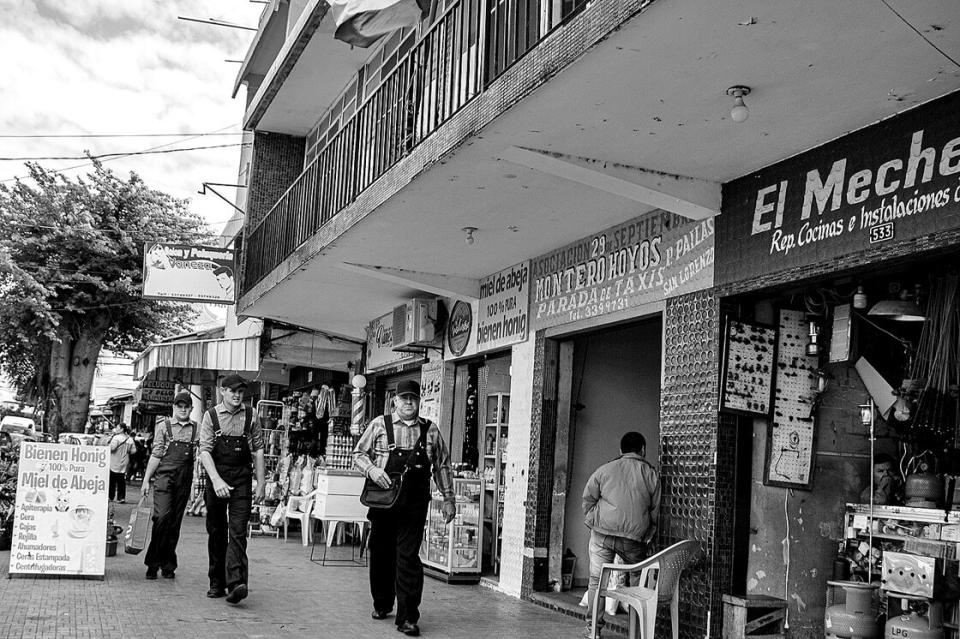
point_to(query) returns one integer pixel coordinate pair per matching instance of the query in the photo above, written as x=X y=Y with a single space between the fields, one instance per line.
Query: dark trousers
x=227 y=534
x=170 y=496
x=118 y=486
x=395 y=568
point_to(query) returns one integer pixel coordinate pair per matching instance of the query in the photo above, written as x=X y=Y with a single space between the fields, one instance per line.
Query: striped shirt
x=231 y=424
x=181 y=433
x=373 y=450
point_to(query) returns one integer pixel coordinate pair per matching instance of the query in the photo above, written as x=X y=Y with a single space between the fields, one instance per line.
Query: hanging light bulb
x=860 y=299
x=739 y=112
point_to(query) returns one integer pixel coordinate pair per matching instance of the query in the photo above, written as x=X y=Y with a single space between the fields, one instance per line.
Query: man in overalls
x=230 y=440
x=389 y=444
x=171 y=466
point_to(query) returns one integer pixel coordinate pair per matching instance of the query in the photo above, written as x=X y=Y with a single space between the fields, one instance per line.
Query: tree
x=71 y=259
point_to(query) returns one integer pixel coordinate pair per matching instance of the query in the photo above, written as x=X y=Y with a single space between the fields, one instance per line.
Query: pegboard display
x=790 y=440
x=748 y=368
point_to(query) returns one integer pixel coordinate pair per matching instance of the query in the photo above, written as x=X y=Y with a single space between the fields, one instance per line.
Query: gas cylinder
x=855 y=618
x=912 y=626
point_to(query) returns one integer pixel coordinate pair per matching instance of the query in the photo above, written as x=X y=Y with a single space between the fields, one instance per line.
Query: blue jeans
x=602 y=550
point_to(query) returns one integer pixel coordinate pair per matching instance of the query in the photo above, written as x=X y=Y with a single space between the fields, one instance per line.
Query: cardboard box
x=950 y=532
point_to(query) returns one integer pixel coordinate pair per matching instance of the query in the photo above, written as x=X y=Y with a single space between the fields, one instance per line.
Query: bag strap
x=388 y=427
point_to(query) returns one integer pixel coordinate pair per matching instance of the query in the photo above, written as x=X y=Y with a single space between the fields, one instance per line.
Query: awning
x=234 y=355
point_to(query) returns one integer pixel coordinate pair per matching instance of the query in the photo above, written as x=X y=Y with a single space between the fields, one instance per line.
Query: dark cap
x=233 y=381
x=183 y=397
x=408 y=387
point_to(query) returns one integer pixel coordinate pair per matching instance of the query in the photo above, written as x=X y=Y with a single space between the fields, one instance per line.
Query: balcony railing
x=465 y=49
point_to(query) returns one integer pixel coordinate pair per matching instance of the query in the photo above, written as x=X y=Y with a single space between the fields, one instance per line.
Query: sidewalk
x=289 y=597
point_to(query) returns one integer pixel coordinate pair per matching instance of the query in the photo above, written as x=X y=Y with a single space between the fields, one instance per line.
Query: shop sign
x=504 y=308
x=648 y=259
x=60 y=520
x=459 y=327
x=380 y=353
x=431 y=390
x=157 y=392
x=185 y=273
x=896 y=180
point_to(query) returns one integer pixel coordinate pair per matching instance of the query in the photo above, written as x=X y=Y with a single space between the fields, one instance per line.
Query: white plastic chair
x=293 y=511
x=659 y=580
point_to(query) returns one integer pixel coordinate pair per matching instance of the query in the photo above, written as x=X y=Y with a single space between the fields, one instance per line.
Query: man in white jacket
x=621 y=507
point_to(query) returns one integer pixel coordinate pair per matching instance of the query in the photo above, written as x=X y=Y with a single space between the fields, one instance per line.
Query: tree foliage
x=71 y=256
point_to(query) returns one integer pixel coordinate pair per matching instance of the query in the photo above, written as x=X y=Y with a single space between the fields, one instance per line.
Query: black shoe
x=151 y=573
x=238 y=594
x=379 y=614
x=167 y=574
x=215 y=593
x=409 y=629
x=121 y=501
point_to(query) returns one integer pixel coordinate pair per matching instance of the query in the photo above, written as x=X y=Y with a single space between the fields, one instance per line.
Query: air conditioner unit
x=415 y=325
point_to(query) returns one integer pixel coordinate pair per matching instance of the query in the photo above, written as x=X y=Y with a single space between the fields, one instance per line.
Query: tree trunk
x=73 y=363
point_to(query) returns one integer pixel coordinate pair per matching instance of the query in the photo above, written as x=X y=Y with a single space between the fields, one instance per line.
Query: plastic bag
x=616 y=579
x=138 y=529
x=277 y=517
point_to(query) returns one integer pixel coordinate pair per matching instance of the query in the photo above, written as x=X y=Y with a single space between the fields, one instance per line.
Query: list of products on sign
x=649 y=258
x=60 y=521
x=504 y=307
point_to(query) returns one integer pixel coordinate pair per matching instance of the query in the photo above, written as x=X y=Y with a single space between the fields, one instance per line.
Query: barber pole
x=357 y=412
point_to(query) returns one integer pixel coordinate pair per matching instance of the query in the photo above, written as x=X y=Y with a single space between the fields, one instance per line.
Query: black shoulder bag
x=375 y=496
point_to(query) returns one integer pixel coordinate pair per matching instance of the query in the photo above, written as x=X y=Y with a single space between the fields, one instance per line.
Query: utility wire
x=119 y=155
x=917 y=31
x=36 y=136
x=79 y=166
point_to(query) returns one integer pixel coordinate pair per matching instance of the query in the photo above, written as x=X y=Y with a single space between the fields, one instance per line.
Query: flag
x=363 y=22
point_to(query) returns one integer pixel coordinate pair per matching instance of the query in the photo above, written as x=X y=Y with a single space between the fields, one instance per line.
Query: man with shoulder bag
x=401 y=448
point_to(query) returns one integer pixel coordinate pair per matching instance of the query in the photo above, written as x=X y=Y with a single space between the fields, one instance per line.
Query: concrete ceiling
x=324 y=69
x=651 y=96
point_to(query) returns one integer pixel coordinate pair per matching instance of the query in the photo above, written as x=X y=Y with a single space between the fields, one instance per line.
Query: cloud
x=126 y=68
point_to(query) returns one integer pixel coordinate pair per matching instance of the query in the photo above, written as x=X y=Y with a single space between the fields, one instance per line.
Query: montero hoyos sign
x=898 y=179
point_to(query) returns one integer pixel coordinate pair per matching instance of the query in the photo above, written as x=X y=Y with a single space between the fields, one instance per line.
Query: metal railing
x=471 y=44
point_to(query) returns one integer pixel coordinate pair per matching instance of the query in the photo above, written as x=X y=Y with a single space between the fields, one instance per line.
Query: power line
x=83 y=164
x=112 y=230
x=35 y=136
x=119 y=155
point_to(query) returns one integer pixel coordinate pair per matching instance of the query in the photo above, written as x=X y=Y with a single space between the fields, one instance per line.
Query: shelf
x=866 y=535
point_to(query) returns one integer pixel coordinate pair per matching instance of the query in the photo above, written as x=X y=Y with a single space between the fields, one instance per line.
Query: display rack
x=494 y=442
x=451 y=552
x=930 y=532
x=273 y=426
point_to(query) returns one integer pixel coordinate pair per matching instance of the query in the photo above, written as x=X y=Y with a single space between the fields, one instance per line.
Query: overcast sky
x=128 y=67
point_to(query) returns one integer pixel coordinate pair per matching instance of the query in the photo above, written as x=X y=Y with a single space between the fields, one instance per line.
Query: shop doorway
x=608 y=383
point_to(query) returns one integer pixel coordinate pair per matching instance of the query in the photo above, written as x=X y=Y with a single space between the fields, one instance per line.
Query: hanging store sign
x=380 y=353
x=60 y=519
x=504 y=308
x=184 y=273
x=459 y=327
x=154 y=391
x=649 y=258
x=431 y=390
x=896 y=180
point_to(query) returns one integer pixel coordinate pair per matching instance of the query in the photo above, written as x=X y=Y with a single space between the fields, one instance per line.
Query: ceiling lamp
x=739 y=112
x=469 y=230
x=901 y=310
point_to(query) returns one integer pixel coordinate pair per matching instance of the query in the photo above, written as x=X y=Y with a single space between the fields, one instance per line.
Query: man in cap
x=170 y=468
x=391 y=442
x=230 y=443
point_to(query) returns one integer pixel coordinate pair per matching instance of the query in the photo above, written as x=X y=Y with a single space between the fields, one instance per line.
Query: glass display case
x=451 y=552
x=494 y=465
